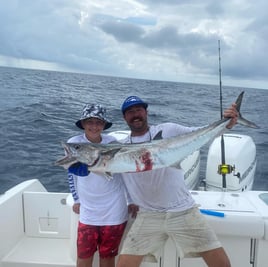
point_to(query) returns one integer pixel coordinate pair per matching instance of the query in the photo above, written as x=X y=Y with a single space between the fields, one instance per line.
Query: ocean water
x=38 y=110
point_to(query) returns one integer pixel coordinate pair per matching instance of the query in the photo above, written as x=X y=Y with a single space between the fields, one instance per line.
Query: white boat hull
x=38 y=228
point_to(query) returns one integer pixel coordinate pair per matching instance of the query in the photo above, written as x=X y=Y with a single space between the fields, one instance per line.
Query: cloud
x=151 y=39
x=123 y=31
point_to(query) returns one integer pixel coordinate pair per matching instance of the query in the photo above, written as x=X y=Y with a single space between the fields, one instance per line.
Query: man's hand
x=76 y=208
x=232 y=113
x=133 y=210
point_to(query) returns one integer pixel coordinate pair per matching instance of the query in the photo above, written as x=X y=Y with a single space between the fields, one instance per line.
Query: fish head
x=83 y=152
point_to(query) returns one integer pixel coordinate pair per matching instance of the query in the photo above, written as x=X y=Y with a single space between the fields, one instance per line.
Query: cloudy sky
x=174 y=40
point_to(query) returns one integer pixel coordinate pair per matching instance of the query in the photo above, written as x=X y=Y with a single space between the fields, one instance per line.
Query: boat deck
x=41 y=252
x=38 y=228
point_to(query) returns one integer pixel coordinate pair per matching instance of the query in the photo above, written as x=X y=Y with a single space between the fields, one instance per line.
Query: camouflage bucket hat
x=94 y=111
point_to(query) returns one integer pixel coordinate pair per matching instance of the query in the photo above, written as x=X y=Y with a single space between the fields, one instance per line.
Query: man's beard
x=142 y=124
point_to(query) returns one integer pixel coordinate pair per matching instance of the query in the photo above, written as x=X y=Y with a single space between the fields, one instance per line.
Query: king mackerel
x=158 y=153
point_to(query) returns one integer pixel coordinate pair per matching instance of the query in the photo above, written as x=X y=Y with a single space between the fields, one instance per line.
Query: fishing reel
x=227 y=169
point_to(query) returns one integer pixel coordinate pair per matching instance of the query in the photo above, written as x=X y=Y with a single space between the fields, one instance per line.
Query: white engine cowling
x=240 y=153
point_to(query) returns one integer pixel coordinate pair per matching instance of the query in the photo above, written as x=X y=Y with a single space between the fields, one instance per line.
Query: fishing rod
x=222 y=168
x=220 y=83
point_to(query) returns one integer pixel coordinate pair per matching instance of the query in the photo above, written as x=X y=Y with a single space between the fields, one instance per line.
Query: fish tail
x=247 y=123
x=242 y=120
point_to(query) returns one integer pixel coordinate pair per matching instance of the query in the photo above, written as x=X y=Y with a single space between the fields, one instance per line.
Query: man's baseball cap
x=132 y=101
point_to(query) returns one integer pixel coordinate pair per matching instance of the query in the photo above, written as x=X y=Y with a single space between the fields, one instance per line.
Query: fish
x=159 y=153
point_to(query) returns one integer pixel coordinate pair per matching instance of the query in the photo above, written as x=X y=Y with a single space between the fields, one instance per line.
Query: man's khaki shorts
x=188 y=229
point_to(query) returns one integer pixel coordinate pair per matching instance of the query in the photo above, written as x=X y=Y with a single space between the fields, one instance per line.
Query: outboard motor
x=240 y=158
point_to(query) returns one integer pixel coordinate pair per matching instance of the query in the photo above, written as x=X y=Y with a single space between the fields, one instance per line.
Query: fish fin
x=158 y=136
x=242 y=120
x=108 y=176
x=110 y=152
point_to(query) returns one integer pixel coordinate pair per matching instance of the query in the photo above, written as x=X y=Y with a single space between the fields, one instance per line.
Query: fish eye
x=77 y=146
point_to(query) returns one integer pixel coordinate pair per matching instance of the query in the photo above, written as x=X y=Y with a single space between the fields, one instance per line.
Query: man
x=166 y=207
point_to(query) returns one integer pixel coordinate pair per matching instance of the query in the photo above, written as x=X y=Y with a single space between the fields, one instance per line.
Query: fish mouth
x=94 y=162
